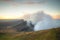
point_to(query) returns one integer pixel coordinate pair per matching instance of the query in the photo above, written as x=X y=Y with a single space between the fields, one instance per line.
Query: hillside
x=15 y=26
x=51 y=34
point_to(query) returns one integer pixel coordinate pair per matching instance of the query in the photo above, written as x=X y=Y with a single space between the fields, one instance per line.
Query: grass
x=51 y=34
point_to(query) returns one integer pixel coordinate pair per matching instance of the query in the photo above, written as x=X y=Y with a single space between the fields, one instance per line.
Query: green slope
x=51 y=34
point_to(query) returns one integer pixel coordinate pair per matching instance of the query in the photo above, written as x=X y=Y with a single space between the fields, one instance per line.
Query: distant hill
x=50 y=34
x=4 y=23
x=15 y=26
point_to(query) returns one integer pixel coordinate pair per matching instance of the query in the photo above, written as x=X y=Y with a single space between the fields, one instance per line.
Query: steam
x=46 y=23
x=42 y=21
x=36 y=17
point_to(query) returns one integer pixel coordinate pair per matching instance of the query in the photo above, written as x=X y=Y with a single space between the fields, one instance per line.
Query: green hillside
x=51 y=34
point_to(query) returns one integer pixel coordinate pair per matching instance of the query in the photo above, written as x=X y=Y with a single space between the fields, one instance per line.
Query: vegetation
x=51 y=34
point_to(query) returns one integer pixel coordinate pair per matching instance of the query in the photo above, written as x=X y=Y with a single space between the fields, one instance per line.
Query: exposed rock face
x=23 y=27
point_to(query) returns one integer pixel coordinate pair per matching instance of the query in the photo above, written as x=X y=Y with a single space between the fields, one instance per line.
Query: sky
x=15 y=9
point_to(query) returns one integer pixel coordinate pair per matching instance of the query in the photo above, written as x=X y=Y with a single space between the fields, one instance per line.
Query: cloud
x=43 y=21
x=25 y=1
x=46 y=23
x=43 y=25
x=37 y=17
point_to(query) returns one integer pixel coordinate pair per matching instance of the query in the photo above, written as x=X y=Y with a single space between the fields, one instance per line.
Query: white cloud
x=42 y=21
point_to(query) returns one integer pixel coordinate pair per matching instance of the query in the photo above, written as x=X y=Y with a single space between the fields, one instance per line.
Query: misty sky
x=10 y=9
